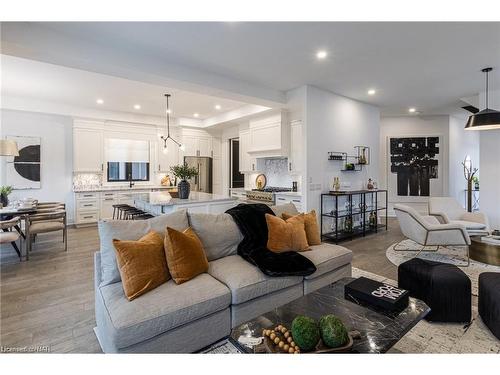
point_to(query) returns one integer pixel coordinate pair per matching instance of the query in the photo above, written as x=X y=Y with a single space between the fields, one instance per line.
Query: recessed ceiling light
x=217 y=107
x=99 y=101
x=372 y=92
x=412 y=110
x=137 y=106
x=321 y=54
x=196 y=115
x=169 y=111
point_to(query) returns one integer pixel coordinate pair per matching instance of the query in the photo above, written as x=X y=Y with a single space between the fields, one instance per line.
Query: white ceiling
x=33 y=79
x=429 y=66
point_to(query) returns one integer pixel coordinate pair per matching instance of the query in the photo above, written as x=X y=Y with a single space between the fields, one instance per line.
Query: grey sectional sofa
x=187 y=317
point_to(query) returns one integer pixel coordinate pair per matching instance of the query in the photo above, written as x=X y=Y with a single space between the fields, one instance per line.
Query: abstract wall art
x=23 y=172
x=414 y=166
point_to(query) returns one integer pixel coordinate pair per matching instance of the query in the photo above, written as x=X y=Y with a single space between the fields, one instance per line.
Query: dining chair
x=46 y=222
x=10 y=234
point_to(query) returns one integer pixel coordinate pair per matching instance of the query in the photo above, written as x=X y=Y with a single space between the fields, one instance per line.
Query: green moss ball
x=333 y=331
x=305 y=332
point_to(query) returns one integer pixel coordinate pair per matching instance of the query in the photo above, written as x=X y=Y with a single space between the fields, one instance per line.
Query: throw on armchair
x=449 y=211
x=428 y=231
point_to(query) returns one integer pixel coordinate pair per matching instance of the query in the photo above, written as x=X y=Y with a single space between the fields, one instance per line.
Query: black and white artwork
x=24 y=171
x=414 y=166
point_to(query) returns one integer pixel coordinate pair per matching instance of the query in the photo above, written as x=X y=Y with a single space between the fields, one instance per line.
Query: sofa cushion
x=131 y=230
x=185 y=256
x=219 y=234
x=327 y=257
x=162 y=309
x=288 y=208
x=286 y=235
x=469 y=224
x=245 y=281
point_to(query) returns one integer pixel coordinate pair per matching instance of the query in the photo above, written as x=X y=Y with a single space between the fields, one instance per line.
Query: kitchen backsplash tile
x=276 y=171
x=83 y=181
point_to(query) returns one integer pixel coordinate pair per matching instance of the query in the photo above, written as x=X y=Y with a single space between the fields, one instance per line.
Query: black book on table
x=374 y=293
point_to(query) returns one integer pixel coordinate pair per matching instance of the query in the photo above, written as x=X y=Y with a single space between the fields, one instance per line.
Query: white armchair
x=449 y=211
x=427 y=231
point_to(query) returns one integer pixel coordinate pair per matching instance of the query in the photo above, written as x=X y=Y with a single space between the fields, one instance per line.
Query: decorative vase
x=369 y=185
x=4 y=200
x=476 y=185
x=372 y=220
x=348 y=225
x=183 y=187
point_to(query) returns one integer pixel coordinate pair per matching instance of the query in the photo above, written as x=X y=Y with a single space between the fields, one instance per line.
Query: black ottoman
x=445 y=288
x=489 y=301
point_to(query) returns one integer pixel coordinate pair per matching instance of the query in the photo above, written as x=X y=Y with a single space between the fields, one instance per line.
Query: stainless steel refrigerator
x=202 y=182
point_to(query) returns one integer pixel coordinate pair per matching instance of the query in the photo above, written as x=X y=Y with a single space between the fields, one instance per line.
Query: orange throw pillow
x=142 y=264
x=288 y=235
x=186 y=258
x=311 y=226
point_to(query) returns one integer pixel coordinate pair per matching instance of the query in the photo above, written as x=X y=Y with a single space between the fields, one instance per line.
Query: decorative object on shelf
x=8 y=147
x=184 y=173
x=362 y=206
x=4 y=195
x=261 y=181
x=166 y=137
x=372 y=220
x=339 y=156
x=24 y=171
x=469 y=172
x=370 y=185
x=475 y=179
x=294 y=186
x=336 y=184
x=486 y=119
x=350 y=167
x=363 y=154
x=348 y=226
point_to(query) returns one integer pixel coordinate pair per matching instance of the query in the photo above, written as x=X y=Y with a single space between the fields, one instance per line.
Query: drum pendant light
x=486 y=119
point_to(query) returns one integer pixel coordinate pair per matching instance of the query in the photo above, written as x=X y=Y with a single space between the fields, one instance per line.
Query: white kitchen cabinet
x=197 y=145
x=269 y=137
x=296 y=153
x=87 y=150
x=168 y=159
x=216 y=147
x=248 y=163
x=106 y=211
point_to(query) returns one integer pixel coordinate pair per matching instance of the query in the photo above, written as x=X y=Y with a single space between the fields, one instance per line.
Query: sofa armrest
x=476 y=217
x=441 y=216
x=97 y=270
x=448 y=234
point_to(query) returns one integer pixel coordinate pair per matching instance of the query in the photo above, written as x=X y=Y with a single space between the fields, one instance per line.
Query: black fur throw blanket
x=251 y=220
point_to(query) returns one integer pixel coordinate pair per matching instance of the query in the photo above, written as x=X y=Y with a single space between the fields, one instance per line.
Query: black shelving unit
x=338 y=208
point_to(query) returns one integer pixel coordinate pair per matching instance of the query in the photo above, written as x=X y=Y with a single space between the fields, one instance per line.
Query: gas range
x=265 y=195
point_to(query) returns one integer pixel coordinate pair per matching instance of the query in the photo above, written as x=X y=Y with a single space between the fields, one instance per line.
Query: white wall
x=414 y=126
x=489 y=167
x=462 y=143
x=336 y=123
x=56 y=172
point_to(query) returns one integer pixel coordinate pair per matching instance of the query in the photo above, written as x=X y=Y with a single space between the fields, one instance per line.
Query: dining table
x=8 y=212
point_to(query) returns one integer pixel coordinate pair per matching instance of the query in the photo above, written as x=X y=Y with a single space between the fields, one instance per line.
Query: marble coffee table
x=379 y=330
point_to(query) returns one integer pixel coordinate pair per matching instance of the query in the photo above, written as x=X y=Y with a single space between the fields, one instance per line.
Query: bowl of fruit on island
x=329 y=335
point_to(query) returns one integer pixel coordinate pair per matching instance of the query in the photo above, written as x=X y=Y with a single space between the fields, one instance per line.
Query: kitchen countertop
x=123 y=188
x=165 y=199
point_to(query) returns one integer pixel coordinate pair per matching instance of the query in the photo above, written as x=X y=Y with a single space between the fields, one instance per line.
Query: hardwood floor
x=49 y=300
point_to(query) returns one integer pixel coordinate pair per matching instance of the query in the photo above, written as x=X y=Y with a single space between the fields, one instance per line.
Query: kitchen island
x=159 y=203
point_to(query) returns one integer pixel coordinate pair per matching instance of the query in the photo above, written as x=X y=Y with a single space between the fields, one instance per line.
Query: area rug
x=453 y=254
x=428 y=337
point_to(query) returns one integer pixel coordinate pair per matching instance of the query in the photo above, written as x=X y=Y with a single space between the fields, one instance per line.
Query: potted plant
x=183 y=172
x=4 y=195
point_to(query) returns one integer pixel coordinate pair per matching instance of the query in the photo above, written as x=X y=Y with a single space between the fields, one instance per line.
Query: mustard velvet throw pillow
x=186 y=258
x=288 y=235
x=142 y=264
x=311 y=226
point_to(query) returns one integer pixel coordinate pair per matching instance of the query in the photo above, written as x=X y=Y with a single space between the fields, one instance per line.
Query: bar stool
x=117 y=210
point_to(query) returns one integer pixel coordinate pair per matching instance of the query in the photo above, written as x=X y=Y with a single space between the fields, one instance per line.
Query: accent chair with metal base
x=427 y=231
x=449 y=211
